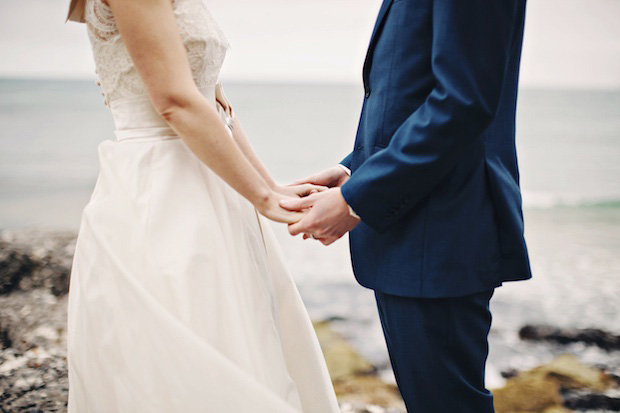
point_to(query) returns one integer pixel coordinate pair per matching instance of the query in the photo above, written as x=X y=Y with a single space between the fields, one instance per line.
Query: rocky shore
x=34 y=277
x=34 y=274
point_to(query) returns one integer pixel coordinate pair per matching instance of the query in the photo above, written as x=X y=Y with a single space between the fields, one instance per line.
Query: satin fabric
x=179 y=298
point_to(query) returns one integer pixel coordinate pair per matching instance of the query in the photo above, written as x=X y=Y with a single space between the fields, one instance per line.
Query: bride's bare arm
x=295 y=190
x=242 y=140
x=150 y=33
x=300 y=189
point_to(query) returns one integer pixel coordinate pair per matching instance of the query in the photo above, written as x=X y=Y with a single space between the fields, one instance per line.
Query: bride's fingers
x=290 y=217
x=309 y=189
x=282 y=215
x=299 y=203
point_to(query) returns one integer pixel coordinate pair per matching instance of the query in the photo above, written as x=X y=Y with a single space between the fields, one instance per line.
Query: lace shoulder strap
x=100 y=20
x=204 y=42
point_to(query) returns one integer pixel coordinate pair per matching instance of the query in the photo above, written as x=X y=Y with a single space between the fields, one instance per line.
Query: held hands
x=270 y=205
x=328 y=218
x=309 y=207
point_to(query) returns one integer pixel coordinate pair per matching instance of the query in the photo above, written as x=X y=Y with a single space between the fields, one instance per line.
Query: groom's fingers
x=298 y=204
x=296 y=229
x=317 y=188
x=305 y=226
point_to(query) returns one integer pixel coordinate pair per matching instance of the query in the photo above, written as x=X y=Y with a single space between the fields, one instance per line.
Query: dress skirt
x=179 y=299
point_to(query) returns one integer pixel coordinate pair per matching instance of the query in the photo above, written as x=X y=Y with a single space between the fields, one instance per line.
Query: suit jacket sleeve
x=470 y=50
x=347 y=160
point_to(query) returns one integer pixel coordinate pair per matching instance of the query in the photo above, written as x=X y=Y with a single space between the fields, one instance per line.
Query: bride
x=179 y=299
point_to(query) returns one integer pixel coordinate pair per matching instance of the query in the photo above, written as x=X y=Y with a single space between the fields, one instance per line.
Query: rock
x=570 y=373
x=540 y=389
x=368 y=390
x=33 y=259
x=33 y=365
x=527 y=394
x=14 y=265
x=590 y=336
x=341 y=357
x=364 y=408
x=507 y=374
x=33 y=381
x=355 y=379
x=584 y=400
x=34 y=318
x=556 y=409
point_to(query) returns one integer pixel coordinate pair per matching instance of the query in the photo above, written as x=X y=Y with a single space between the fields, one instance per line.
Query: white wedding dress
x=179 y=299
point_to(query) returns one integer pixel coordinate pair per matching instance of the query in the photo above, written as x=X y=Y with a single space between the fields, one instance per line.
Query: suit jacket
x=434 y=167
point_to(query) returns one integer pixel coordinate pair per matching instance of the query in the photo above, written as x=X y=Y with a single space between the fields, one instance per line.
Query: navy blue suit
x=434 y=167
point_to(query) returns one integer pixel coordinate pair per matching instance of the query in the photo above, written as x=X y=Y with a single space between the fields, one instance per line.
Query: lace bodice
x=204 y=42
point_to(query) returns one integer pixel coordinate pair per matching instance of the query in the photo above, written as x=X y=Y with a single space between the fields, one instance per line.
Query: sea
x=568 y=144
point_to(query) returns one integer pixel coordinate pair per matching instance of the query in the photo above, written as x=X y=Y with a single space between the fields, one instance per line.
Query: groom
x=433 y=201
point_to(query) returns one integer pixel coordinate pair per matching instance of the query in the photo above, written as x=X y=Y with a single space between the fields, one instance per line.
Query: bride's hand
x=300 y=190
x=270 y=208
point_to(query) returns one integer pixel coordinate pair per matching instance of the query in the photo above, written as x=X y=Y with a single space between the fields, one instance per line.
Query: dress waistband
x=144 y=134
x=136 y=119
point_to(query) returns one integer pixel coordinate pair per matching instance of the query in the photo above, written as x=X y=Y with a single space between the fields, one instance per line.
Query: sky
x=568 y=43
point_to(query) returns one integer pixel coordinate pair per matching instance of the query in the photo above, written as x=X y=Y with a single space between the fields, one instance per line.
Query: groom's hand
x=299 y=191
x=331 y=177
x=328 y=219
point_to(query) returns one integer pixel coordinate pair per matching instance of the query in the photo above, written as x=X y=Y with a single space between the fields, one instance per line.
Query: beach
x=34 y=281
x=568 y=151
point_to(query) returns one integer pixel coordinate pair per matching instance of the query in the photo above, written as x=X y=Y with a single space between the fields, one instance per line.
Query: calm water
x=569 y=155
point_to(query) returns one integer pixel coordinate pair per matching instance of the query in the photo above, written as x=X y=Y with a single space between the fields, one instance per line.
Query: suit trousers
x=438 y=348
